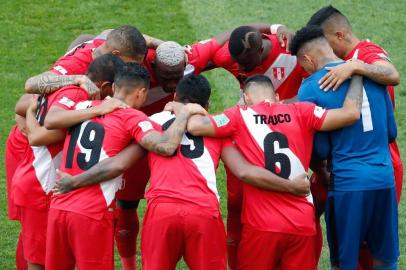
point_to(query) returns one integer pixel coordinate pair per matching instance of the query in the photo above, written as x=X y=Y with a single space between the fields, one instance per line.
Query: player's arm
x=260 y=177
x=58 y=118
x=199 y=125
x=38 y=135
x=23 y=104
x=166 y=143
x=152 y=42
x=49 y=82
x=382 y=72
x=107 y=169
x=349 y=113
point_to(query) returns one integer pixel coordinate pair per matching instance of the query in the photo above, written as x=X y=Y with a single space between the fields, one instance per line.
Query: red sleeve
x=312 y=115
x=138 y=124
x=373 y=53
x=225 y=124
x=222 y=58
x=68 y=96
x=227 y=142
x=201 y=53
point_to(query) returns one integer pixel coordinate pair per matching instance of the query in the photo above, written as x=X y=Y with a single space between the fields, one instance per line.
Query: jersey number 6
x=275 y=161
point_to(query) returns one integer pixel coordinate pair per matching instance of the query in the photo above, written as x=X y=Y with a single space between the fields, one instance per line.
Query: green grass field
x=35 y=33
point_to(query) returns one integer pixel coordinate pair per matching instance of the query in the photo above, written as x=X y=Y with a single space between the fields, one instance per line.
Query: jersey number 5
x=91 y=140
x=276 y=161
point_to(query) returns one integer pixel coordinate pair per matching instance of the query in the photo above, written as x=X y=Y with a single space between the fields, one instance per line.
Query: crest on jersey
x=278 y=73
x=145 y=126
x=221 y=120
x=67 y=102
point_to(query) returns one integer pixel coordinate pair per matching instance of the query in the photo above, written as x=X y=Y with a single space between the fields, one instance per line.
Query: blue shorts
x=353 y=217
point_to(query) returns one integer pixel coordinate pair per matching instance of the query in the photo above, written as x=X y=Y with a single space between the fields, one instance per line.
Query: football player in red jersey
x=34 y=177
x=278 y=228
x=375 y=64
x=85 y=145
x=183 y=217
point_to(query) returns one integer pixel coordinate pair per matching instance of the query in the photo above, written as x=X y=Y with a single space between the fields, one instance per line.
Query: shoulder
x=222 y=57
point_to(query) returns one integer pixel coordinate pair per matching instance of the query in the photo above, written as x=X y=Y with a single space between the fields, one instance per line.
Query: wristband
x=274 y=28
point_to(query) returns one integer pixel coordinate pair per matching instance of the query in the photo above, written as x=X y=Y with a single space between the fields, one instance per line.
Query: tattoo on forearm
x=168 y=142
x=45 y=84
x=378 y=73
x=355 y=90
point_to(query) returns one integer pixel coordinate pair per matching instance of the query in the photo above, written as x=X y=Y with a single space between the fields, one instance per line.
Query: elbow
x=396 y=79
x=243 y=174
x=353 y=116
x=33 y=140
x=28 y=86
x=49 y=123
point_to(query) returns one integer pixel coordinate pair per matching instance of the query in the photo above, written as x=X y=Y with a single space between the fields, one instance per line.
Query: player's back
x=278 y=137
x=87 y=144
x=360 y=152
x=281 y=67
x=190 y=174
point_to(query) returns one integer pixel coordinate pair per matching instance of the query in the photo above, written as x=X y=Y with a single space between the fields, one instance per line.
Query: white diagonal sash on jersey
x=110 y=187
x=45 y=167
x=259 y=132
x=280 y=69
x=204 y=163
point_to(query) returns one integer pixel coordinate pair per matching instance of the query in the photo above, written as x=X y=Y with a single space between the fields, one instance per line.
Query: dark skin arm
x=23 y=104
x=262 y=178
x=107 y=169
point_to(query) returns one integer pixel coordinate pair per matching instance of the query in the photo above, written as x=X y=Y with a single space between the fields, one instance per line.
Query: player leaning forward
x=278 y=228
x=362 y=198
x=91 y=208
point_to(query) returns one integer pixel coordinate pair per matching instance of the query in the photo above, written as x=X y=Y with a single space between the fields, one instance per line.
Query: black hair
x=193 y=89
x=104 y=68
x=323 y=15
x=258 y=79
x=239 y=42
x=132 y=75
x=304 y=35
x=129 y=40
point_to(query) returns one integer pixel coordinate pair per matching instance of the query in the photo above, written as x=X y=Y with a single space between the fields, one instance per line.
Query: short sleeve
x=227 y=142
x=138 y=124
x=222 y=57
x=201 y=53
x=68 y=96
x=312 y=116
x=226 y=122
x=373 y=53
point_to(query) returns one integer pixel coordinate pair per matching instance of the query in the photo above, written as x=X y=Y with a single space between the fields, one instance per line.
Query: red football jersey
x=370 y=53
x=77 y=60
x=90 y=142
x=35 y=177
x=280 y=138
x=189 y=175
x=198 y=57
x=281 y=67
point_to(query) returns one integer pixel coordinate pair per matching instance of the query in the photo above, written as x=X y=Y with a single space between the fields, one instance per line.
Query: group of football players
x=123 y=109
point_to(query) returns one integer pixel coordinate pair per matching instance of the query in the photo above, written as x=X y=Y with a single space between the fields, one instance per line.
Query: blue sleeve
x=321 y=146
x=392 y=129
x=306 y=93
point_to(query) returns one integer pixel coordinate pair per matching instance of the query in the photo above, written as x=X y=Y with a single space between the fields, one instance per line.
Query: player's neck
x=351 y=43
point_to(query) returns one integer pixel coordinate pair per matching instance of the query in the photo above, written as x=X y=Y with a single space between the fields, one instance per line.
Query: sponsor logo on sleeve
x=221 y=120
x=61 y=70
x=67 y=102
x=318 y=111
x=145 y=125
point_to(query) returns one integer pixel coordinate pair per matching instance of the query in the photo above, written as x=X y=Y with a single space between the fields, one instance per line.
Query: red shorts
x=33 y=234
x=16 y=146
x=135 y=181
x=271 y=250
x=172 y=229
x=75 y=239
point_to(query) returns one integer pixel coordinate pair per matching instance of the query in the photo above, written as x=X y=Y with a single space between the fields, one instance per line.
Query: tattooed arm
x=350 y=112
x=382 y=72
x=48 y=82
x=165 y=144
